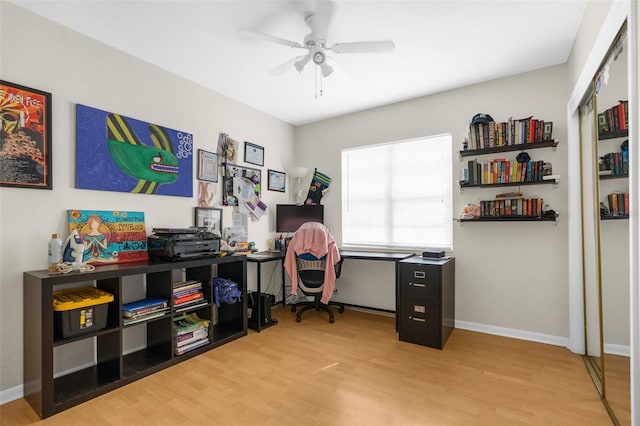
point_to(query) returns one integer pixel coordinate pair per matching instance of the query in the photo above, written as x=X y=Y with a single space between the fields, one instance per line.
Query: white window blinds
x=398 y=195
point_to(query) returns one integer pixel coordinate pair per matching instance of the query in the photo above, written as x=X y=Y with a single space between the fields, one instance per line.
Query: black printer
x=182 y=243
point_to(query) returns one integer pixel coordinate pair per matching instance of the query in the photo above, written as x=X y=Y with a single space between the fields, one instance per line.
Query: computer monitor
x=289 y=217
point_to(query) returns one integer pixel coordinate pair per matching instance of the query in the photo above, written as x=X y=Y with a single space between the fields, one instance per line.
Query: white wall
x=76 y=69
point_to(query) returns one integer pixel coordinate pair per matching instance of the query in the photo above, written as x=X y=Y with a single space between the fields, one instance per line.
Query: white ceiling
x=440 y=45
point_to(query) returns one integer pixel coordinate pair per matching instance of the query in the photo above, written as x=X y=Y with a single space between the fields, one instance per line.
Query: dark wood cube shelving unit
x=113 y=369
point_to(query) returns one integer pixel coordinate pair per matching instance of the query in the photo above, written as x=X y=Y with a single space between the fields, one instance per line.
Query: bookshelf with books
x=511 y=207
x=489 y=137
x=169 y=328
x=514 y=168
x=613 y=161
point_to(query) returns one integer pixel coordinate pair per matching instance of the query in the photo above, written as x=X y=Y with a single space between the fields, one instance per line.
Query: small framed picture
x=253 y=154
x=207 y=166
x=277 y=181
x=209 y=218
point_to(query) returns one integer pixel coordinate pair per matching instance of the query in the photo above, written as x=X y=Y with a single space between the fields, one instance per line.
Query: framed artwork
x=206 y=191
x=276 y=181
x=240 y=183
x=25 y=137
x=209 y=218
x=110 y=236
x=227 y=148
x=118 y=153
x=207 y=166
x=253 y=154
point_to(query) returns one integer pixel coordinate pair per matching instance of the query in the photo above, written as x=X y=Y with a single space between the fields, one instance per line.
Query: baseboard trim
x=513 y=333
x=11 y=394
x=611 y=349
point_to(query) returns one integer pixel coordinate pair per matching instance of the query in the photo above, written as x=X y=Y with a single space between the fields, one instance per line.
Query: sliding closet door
x=612 y=151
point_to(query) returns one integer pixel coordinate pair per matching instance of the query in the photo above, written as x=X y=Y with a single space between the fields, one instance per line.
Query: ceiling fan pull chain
x=315 y=87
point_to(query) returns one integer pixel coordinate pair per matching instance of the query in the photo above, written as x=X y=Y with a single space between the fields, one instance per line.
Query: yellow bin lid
x=81 y=297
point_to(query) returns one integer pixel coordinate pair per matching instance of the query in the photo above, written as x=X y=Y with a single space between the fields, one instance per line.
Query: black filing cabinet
x=426 y=300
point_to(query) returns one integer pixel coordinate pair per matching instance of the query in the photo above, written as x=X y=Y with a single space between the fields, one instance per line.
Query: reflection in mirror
x=611 y=97
x=590 y=253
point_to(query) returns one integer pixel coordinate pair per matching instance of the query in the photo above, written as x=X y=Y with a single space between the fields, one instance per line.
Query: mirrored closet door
x=604 y=155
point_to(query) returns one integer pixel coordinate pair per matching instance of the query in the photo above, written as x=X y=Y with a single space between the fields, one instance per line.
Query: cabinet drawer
x=420 y=282
x=420 y=317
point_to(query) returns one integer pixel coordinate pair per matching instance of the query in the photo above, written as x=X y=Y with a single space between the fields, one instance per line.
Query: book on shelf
x=615 y=118
x=182 y=293
x=618 y=203
x=186 y=285
x=502 y=170
x=188 y=298
x=144 y=306
x=189 y=322
x=191 y=337
x=144 y=317
x=191 y=305
x=184 y=349
x=511 y=206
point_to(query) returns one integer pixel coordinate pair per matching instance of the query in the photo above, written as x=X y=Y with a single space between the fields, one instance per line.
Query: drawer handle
x=419 y=274
x=418 y=319
x=418 y=285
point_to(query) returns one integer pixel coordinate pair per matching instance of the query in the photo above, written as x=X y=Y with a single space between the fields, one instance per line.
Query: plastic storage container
x=80 y=310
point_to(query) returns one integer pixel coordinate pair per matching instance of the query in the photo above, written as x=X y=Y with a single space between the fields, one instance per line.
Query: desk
x=374 y=255
x=386 y=256
x=259 y=258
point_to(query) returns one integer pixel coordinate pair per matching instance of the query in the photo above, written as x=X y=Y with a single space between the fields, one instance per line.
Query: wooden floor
x=352 y=372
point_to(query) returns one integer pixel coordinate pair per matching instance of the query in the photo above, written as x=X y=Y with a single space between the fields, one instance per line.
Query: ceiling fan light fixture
x=302 y=63
x=326 y=69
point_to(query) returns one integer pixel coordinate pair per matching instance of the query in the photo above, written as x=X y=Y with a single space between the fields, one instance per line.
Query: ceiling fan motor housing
x=319 y=57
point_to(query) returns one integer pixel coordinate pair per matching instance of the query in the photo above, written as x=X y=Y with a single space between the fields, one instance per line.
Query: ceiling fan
x=316 y=42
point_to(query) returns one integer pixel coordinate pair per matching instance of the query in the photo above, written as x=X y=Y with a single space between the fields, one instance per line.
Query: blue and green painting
x=118 y=153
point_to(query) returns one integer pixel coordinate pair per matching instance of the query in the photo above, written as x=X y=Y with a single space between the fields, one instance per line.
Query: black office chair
x=311 y=283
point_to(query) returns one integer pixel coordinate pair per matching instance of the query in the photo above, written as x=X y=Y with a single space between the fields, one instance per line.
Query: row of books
x=145 y=309
x=615 y=118
x=187 y=295
x=517 y=206
x=614 y=163
x=191 y=332
x=511 y=132
x=502 y=170
x=618 y=204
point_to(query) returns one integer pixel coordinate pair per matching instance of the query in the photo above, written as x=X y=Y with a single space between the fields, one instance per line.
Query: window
x=398 y=195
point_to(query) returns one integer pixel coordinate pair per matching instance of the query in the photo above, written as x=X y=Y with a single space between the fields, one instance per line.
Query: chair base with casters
x=311 y=283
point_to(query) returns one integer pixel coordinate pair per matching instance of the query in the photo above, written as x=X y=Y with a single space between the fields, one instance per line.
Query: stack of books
x=191 y=332
x=145 y=309
x=187 y=295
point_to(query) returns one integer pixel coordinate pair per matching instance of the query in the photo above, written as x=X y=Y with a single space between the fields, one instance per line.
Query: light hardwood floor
x=352 y=372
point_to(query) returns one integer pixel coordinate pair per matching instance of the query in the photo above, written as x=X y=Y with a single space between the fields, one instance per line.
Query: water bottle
x=55 y=251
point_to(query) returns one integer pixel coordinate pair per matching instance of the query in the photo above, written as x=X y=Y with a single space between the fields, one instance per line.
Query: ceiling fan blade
x=267 y=37
x=281 y=69
x=320 y=20
x=364 y=47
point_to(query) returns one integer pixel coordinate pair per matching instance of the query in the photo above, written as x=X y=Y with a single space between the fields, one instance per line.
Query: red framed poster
x=25 y=137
